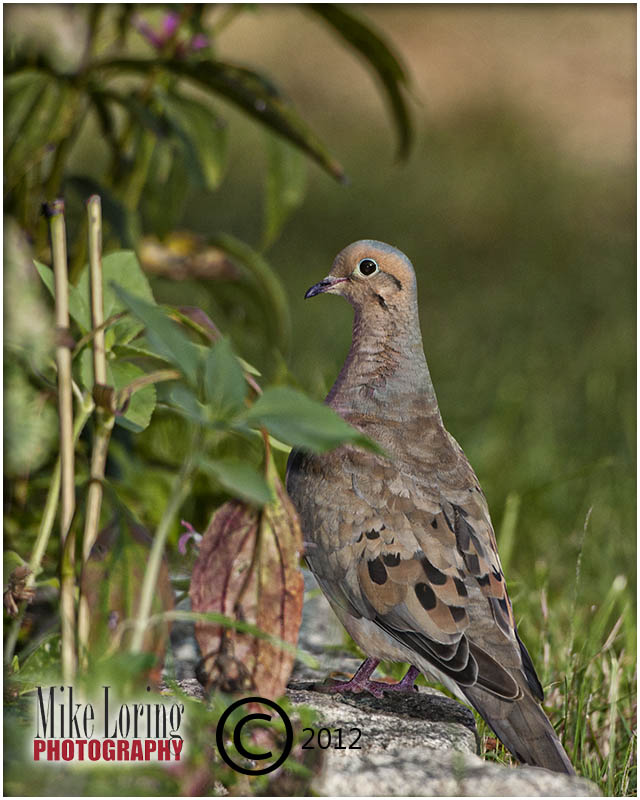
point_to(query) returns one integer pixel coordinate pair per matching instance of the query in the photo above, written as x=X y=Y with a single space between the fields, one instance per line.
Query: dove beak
x=325 y=285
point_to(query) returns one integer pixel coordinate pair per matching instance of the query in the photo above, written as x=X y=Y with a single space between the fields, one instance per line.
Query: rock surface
x=426 y=719
x=411 y=772
x=411 y=745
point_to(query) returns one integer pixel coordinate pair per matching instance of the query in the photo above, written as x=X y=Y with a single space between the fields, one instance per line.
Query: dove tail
x=524 y=729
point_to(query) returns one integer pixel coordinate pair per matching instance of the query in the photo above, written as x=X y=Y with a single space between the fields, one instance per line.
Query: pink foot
x=361 y=683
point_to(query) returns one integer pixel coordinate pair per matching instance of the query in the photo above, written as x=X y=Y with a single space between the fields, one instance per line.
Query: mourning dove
x=402 y=543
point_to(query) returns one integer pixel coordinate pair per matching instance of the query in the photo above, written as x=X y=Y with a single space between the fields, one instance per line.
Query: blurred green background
x=517 y=207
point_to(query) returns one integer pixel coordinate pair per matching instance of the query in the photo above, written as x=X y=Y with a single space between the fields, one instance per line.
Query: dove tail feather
x=523 y=727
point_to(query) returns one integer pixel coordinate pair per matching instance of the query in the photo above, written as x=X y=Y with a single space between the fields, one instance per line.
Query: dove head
x=386 y=361
x=370 y=275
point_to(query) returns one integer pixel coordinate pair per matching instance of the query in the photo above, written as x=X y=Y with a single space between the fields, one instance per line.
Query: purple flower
x=170 y=24
x=191 y=533
x=199 y=42
x=143 y=27
x=168 y=28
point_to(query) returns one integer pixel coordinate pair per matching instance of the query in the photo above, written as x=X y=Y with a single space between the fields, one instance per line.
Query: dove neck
x=386 y=367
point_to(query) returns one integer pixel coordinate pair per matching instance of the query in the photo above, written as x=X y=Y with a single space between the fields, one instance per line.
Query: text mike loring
x=67 y=730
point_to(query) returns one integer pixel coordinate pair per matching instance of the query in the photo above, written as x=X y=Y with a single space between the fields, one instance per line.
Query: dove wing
x=417 y=559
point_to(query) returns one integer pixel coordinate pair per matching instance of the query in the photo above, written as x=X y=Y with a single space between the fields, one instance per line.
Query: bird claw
x=360 y=682
x=375 y=688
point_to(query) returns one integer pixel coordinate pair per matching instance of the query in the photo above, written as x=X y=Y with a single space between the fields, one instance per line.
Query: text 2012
x=326 y=738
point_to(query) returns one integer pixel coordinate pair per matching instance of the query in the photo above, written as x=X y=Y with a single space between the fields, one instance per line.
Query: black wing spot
x=460 y=587
x=463 y=532
x=457 y=613
x=483 y=580
x=372 y=534
x=433 y=575
x=434 y=523
x=473 y=565
x=377 y=572
x=391 y=559
x=447 y=520
x=425 y=596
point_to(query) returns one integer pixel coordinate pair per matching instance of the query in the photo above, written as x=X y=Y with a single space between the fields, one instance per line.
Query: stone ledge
x=426 y=718
x=418 y=745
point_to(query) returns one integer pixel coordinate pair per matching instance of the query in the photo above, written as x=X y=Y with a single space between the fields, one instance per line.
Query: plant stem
x=103 y=419
x=178 y=494
x=55 y=213
x=137 y=384
x=46 y=526
x=88 y=337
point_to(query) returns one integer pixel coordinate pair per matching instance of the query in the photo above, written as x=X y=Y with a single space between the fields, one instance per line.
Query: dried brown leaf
x=17 y=590
x=248 y=570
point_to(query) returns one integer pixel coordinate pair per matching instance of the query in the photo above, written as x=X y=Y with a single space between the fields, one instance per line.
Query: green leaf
x=38 y=122
x=378 y=54
x=244 y=88
x=164 y=335
x=30 y=432
x=141 y=114
x=301 y=422
x=78 y=305
x=186 y=403
x=224 y=383
x=202 y=135
x=141 y=406
x=22 y=92
x=137 y=351
x=42 y=666
x=249 y=368
x=239 y=478
x=120 y=269
x=285 y=186
x=137 y=415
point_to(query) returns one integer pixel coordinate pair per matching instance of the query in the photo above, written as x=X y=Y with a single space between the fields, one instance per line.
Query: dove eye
x=367 y=266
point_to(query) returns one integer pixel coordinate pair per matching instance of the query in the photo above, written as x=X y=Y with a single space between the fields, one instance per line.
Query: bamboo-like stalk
x=55 y=212
x=103 y=419
x=46 y=526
